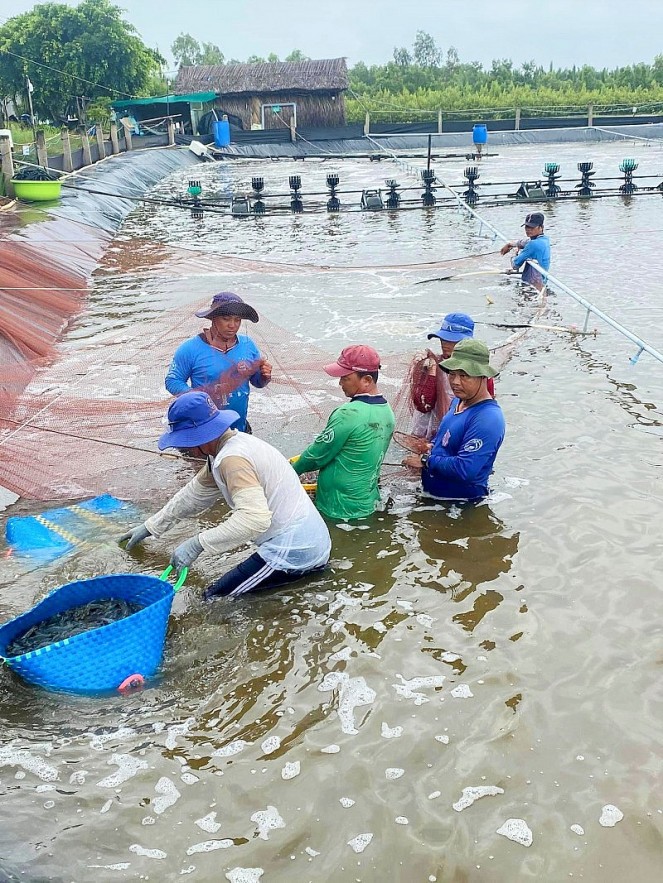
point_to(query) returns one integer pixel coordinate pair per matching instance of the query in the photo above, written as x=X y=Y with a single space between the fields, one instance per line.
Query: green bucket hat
x=471 y=356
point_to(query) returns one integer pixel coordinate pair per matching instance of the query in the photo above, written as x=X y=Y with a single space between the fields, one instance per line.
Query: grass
x=23 y=136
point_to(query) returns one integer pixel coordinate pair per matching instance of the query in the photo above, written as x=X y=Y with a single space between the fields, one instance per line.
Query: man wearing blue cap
x=269 y=506
x=431 y=392
x=219 y=360
x=535 y=248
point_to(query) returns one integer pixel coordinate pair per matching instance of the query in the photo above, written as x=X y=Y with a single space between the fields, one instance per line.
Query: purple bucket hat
x=228 y=304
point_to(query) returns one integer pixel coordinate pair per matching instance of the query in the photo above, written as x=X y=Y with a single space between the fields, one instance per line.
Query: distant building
x=271 y=95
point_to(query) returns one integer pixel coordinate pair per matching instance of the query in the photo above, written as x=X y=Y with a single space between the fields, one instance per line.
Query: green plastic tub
x=37 y=191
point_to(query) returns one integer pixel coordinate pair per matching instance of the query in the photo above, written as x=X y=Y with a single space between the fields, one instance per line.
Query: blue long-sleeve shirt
x=538 y=250
x=196 y=363
x=464 y=451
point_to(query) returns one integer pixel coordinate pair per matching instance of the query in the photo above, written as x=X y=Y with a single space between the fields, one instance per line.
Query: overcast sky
x=603 y=33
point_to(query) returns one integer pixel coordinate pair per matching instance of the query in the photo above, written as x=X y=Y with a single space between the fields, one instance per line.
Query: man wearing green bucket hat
x=463 y=452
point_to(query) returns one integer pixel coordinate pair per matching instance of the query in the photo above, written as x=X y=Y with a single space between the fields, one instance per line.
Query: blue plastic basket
x=99 y=659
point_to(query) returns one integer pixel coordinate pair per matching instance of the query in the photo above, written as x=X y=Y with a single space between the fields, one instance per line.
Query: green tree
x=188 y=51
x=296 y=55
x=67 y=52
x=272 y=57
x=255 y=59
x=402 y=57
x=425 y=50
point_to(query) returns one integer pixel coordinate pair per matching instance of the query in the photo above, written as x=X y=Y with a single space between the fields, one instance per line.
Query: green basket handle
x=180 y=579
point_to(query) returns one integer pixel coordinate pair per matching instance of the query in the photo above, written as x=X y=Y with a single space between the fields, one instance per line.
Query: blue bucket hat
x=455 y=327
x=194 y=420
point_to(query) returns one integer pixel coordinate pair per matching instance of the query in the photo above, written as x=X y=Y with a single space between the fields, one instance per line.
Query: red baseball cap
x=354 y=358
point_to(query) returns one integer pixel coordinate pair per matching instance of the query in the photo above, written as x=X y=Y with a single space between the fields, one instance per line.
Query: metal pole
x=28 y=86
x=430 y=143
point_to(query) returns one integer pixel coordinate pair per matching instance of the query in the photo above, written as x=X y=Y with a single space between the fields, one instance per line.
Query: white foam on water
x=578 y=829
x=406 y=605
x=434 y=795
x=379 y=626
x=443 y=738
x=40 y=789
x=516 y=830
x=388 y=732
x=148 y=853
x=267 y=820
x=330 y=749
x=309 y=851
x=353 y=693
x=610 y=815
x=169 y=795
x=99 y=740
x=128 y=767
x=341 y=601
x=106 y=807
x=402 y=820
x=270 y=745
x=118 y=866
x=341 y=655
x=245 y=875
x=291 y=769
x=448 y=656
x=208 y=823
x=473 y=793
x=10 y=756
x=78 y=778
x=209 y=846
x=462 y=691
x=189 y=778
x=49 y=804
x=148 y=820
x=231 y=748
x=178 y=730
x=360 y=842
x=425 y=620
x=394 y=772
x=346 y=802
x=188 y=870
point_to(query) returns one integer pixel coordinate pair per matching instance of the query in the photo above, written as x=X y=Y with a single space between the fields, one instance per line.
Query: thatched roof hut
x=270 y=95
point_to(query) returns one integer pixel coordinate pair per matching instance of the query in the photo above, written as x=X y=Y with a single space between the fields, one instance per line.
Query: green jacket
x=348 y=454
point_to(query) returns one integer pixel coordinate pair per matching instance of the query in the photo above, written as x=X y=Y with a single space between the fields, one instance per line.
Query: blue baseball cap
x=194 y=420
x=455 y=327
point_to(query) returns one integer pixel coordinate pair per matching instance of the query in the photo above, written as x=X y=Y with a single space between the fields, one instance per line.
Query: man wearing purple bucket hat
x=269 y=506
x=219 y=360
x=431 y=392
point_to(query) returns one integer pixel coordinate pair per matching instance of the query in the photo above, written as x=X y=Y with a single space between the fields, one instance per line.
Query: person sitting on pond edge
x=349 y=451
x=463 y=452
x=536 y=247
x=219 y=360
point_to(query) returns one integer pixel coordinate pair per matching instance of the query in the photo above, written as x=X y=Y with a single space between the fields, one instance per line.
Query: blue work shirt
x=197 y=364
x=536 y=250
x=464 y=451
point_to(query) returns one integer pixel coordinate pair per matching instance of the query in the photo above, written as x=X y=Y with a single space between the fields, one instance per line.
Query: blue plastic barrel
x=221 y=133
x=480 y=134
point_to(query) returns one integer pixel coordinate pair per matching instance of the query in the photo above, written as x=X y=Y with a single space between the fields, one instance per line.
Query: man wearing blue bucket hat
x=270 y=508
x=431 y=392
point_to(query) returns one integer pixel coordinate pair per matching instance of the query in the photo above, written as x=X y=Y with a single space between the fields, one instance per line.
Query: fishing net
x=85 y=420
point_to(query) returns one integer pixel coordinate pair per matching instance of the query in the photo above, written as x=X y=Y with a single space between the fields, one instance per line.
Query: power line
x=66 y=74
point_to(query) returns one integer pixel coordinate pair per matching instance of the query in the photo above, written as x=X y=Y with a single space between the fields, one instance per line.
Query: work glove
x=186 y=553
x=134 y=536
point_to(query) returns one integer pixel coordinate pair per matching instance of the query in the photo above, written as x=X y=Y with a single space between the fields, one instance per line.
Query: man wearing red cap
x=349 y=452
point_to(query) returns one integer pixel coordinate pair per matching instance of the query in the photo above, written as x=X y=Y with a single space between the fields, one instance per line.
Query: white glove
x=134 y=536
x=186 y=553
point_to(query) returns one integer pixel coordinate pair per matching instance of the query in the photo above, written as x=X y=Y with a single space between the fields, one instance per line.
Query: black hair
x=372 y=374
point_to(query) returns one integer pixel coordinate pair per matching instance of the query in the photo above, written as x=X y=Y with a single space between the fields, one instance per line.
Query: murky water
x=331 y=731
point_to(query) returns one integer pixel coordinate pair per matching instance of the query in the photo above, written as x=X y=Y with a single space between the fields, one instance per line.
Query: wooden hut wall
x=313 y=109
